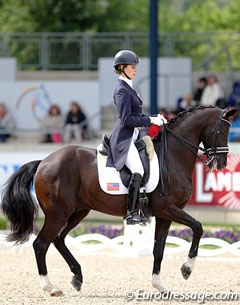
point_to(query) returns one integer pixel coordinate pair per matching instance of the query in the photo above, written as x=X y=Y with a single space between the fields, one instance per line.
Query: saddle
x=125 y=173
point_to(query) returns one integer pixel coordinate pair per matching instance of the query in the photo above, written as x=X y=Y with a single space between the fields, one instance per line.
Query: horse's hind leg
x=161 y=232
x=64 y=251
x=41 y=244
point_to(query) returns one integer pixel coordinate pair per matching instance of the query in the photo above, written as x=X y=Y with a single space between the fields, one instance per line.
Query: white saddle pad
x=111 y=183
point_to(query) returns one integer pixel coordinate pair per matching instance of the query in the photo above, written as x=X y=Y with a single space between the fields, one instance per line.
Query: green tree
x=89 y=15
x=205 y=31
x=179 y=21
x=198 y=15
x=66 y=15
x=14 y=17
x=117 y=15
x=120 y=16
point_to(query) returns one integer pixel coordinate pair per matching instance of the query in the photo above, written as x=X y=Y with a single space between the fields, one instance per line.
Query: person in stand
x=122 y=150
x=186 y=102
x=7 y=123
x=76 y=124
x=52 y=124
x=212 y=92
x=202 y=83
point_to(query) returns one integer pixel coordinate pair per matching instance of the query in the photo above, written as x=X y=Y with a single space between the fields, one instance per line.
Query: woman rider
x=122 y=149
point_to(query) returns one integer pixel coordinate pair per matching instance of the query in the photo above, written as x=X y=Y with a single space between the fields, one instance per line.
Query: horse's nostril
x=222 y=164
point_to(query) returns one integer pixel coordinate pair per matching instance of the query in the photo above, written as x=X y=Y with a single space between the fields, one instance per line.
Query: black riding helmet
x=125 y=57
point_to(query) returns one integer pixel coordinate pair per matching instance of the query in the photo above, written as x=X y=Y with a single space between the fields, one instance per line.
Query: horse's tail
x=18 y=204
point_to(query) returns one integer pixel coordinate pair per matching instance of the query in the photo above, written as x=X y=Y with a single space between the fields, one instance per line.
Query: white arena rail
x=136 y=241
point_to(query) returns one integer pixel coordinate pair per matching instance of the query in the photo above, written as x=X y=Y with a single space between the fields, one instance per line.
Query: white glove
x=158 y=120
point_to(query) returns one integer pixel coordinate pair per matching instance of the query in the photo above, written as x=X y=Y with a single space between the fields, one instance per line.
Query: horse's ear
x=230 y=113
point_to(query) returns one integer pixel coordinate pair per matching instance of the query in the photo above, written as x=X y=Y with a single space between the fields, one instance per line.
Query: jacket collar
x=128 y=81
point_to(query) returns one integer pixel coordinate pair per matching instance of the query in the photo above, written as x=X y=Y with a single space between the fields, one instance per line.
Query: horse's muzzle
x=219 y=162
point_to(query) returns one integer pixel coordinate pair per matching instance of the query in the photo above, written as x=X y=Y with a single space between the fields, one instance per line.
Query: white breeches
x=133 y=161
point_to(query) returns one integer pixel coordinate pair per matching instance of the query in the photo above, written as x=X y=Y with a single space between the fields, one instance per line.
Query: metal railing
x=81 y=51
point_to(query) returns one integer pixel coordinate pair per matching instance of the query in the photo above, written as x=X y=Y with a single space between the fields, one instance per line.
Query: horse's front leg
x=161 y=232
x=197 y=229
x=178 y=215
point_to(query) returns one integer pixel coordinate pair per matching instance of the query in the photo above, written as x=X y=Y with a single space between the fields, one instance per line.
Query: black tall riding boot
x=133 y=191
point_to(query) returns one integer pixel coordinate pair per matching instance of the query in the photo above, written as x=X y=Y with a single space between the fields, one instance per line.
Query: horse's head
x=215 y=139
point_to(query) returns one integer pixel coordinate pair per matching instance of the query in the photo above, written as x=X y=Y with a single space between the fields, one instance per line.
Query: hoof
x=56 y=293
x=186 y=271
x=76 y=283
x=158 y=285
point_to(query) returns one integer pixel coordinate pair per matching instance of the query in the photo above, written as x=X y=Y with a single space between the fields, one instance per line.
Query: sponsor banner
x=217 y=188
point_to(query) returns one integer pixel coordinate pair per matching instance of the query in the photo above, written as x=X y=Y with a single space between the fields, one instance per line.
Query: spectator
x=6 y=123
x=234 y=98
x=187 y=102
x=75 y=124
x=171 y=114
x=234 y=135
x=202 y=83
x=212 y=92
x=53 y=123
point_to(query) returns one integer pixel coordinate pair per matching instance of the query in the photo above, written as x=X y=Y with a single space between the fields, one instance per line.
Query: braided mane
x=190 y=109
x=179 y=115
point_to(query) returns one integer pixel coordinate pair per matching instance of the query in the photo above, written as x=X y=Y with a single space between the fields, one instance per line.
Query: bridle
x=211 y=153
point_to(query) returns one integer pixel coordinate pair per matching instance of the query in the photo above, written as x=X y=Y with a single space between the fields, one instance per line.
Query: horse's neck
x=190 y=128
x=181 y=147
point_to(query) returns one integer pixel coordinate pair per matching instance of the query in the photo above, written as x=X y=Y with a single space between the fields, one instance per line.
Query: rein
x=211 y=153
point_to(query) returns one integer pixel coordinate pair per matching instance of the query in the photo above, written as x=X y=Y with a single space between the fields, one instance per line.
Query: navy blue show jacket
x=129 y=106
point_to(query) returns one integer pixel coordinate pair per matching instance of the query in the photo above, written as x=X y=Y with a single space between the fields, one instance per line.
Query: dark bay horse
x=67 y=188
